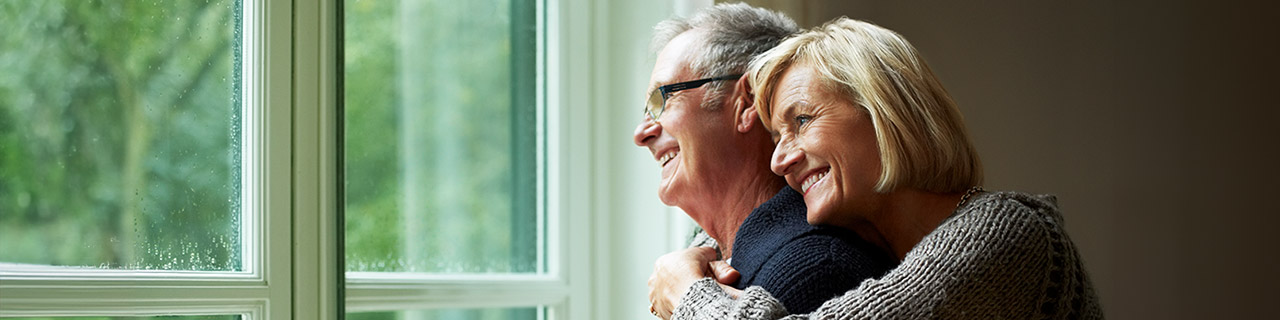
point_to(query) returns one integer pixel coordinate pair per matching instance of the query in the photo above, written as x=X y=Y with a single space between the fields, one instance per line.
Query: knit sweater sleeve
x=702 y=239
x=996 y=261
x=706 y=300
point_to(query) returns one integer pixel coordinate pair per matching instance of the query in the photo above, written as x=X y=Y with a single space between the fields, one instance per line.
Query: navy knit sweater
x=800 y=264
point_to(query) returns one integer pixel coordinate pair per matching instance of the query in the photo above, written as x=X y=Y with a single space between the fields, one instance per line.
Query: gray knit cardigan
x=1003 y=255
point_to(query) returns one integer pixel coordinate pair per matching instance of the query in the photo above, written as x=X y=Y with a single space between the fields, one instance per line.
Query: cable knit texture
x=799 y=264
x=1003 y=255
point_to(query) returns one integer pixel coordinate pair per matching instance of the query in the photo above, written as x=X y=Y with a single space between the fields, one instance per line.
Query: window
x=182 y=160
x=121 y=130
x=146 y=169
x=445 y=192
x=441 y=145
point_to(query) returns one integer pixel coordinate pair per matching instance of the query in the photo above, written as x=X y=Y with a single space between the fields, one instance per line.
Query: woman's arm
x=708 y=299
x=1001 y=260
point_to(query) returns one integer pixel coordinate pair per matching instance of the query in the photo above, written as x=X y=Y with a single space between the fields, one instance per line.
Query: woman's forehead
x=795 y=87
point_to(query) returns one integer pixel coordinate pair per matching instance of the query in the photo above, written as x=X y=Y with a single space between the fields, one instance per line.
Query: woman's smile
x=813 y=179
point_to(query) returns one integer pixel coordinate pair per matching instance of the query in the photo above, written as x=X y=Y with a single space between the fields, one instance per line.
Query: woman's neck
x=904 y=217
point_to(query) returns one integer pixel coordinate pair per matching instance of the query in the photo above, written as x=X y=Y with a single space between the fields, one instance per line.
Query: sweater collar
x=767 y=228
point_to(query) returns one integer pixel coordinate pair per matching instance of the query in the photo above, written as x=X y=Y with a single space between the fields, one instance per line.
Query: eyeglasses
x=658 y=98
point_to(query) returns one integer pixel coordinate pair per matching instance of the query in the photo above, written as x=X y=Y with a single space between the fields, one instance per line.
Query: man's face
x=691 y=144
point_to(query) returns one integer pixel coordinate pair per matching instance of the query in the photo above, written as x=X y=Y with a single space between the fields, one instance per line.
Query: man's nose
x=648 y=129
x=785 y=157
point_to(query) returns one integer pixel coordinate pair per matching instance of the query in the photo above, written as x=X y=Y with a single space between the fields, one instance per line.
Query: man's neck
x=722 y=218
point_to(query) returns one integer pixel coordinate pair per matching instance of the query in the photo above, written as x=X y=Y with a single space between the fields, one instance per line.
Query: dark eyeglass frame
x=666 y=91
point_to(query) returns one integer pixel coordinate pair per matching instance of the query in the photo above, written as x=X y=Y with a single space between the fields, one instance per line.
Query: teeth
x=812 y=180
x=667 y=158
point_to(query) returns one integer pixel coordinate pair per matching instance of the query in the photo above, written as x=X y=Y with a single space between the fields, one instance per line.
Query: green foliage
x=430 y=155
x=118 y=134
x=372 y=163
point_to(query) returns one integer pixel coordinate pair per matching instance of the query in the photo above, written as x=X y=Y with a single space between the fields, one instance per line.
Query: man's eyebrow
x=654 y=86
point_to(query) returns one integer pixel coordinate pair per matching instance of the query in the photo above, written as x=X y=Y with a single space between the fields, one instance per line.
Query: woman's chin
x=817 y=215
x=819 y=206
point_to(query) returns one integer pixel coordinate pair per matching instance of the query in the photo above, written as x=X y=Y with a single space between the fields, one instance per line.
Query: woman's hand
x=675 y=272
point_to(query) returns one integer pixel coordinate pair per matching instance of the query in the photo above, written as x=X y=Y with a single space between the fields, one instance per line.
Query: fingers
x=663 y=313
x=658 y=313
x=696 y=255
x=674 y=273
x=656 y=298
x=659 y=305
x=724 y=273
x=733 y=292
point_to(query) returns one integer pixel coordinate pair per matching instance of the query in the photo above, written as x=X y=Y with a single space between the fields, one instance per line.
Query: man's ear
x=744 y=107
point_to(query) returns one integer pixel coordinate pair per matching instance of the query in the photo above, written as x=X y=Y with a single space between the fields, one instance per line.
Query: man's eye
x=801 y=120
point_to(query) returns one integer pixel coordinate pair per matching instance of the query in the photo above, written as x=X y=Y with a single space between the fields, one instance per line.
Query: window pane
x=119 y=134
x=450 y=314
x=217 y=317
x=440 y=136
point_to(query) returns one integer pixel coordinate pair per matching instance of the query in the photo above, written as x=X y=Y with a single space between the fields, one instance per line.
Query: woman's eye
x=801 y=120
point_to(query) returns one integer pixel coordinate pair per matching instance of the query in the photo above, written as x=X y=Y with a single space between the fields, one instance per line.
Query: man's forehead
x=676 y=58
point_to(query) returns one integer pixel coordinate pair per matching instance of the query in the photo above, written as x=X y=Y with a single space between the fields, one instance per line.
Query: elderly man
x=701 y=127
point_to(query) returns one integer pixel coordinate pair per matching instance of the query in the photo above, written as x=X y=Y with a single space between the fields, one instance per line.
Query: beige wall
x=1153 y=122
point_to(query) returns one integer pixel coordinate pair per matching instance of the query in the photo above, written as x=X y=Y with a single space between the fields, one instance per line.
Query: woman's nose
x=647 y=130
x=785 y=157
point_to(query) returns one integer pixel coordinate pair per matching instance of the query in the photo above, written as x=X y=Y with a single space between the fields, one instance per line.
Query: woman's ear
x=744 y=105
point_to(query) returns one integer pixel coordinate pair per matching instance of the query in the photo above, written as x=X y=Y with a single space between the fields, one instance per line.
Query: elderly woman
x=875 y=144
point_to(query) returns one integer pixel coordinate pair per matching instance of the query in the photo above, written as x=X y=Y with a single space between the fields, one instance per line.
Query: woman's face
x=826 y=148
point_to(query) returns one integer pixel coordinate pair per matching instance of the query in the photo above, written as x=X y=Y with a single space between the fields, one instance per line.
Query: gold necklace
x=972 y=191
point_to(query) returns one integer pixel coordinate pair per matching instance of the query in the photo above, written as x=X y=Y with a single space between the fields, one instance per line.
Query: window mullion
x=270 y=52
x=317 y=261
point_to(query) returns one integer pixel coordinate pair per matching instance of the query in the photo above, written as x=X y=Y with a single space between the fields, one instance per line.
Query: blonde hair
x=919 y=130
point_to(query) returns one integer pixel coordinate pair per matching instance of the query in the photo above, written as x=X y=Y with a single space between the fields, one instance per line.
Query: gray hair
x=736 y=33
